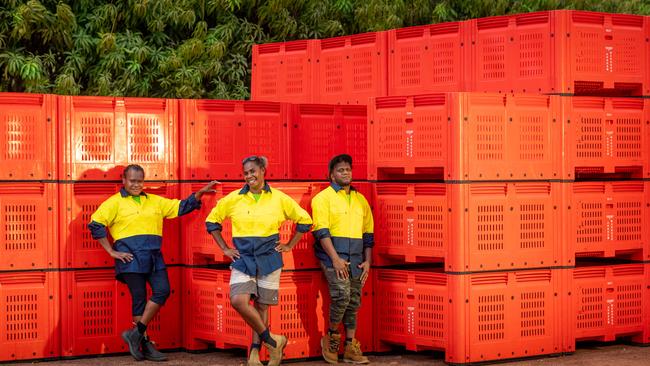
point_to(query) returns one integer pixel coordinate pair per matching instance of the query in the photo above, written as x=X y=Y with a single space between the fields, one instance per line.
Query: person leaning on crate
x=135 y=221
x=343 y=229
x=256 y=212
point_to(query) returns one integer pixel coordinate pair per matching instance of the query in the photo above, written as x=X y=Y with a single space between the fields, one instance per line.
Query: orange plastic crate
x=29 y=302
x=28 y=136
x=606 y=135
x=350 y=69
x=79 y=201
x=219 y=134
x=96 y=309
x=99 y=136
x=428 y=59
x=472 y=317
x=29 y=226
x=320 y=132
x=471 y=227
x=465 y=136
x=606 y=302
x=607 y=219
x=283 y=72
x=562 y=51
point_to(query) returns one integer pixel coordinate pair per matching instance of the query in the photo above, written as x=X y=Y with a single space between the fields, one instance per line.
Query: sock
x=256 y=345
x=141 y=327
x=332 y=331
x=265 y=336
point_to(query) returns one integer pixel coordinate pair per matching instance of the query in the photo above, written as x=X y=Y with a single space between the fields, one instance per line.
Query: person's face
x=342 y=174
x=133 y=182
x=254 y=175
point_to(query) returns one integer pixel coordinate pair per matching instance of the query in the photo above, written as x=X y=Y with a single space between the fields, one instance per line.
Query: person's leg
x=160 y=291
x=268 y=287
x=352 y=347
x=137 y=284
x=339 y=290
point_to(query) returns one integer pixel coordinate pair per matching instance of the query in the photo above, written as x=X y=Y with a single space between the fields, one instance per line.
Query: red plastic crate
x=472 y=227
x=28 y=136
x=606 y=135
x=472 y=317
x=96 y=309
x=283 y=72
x=562 y=51
x=29 y=302
x=219 y=134
x=606 y=302
x=350 y=69
x=320 y=132
x=465 y=136
x=212 y=320
x=429 y=58
x=99 y=136
x=28 y=226
x=607 y=219
x=79 y=201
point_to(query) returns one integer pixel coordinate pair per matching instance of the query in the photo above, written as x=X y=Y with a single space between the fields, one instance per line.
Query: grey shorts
x=263 y=288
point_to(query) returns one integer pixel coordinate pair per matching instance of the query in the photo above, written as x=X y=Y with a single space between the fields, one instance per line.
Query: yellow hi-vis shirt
x=137 y=228
x=255 y=226
x=347 y=221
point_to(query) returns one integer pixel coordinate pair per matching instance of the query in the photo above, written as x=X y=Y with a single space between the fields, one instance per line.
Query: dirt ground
x=587 y=355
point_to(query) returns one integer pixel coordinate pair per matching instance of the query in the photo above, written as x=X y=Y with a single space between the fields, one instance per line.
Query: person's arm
x=213 y=225
x=320 y=210
x=368 y=240
x=172 y=208
x=293 y=211
x=100 y=219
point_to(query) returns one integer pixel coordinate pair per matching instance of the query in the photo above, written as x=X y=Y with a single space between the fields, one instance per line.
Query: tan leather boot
x=275 y=353
x=254 y=358
x=353 y=353
x=330 y=347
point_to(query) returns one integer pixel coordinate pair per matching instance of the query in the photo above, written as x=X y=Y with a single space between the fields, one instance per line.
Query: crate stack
x=501 y=149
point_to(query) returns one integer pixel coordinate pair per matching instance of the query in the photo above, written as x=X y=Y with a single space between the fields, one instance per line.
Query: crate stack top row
x=549 y=52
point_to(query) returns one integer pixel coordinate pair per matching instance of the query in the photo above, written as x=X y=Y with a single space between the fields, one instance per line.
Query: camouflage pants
x=345 y=298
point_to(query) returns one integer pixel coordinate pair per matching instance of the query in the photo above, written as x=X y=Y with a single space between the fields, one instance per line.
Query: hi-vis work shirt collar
x=337 y=187
x=124 y=193
x=247 y=189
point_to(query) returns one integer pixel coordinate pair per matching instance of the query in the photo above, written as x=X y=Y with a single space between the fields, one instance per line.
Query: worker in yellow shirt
x=135 y=221
x=256 y=212
x=343 y=228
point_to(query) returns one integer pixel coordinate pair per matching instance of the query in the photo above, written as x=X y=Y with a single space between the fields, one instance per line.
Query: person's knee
x=238 y=302
x=160 y=294
x=261 y=307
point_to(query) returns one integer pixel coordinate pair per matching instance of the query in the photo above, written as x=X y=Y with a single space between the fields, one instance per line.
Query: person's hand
x=207 y=188
x=281 y=247
x=365 y=266
x=122 y=256
x=231 y=253
x=342 y=268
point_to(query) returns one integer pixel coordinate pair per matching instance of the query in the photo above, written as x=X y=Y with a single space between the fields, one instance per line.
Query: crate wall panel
x=606 y=219
x=219 y=134
x=96 y=309
x=79 y=201
x=99 y=136
x=351 y=69
x=465 y=136
x=471 y=227
x=28 y=136
x=320 y=132
x=30 y=320
x=28 y=225
x=426 y=59
x=284 y=72
x=605 y=135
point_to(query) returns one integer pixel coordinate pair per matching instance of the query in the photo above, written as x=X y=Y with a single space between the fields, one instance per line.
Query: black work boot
x=133 y=338
x=150 y=352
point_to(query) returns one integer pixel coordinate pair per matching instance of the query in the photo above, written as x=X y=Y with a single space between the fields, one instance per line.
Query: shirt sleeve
x=368 y=225
x=218 y=214
x=320 y=211
x=102 y=218
x=295 y=213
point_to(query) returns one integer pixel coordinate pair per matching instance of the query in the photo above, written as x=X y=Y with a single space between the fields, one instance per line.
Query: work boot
x=133 y=338
x=353 y=353
x=254 y=358
x=150 y=352
x=275 y=353
x=330 y=347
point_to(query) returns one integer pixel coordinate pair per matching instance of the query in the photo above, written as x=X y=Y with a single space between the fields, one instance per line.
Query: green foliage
x=202 y=48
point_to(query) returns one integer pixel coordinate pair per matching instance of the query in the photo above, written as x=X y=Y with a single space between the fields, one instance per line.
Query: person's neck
x=256 y=190
x=346 y=188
